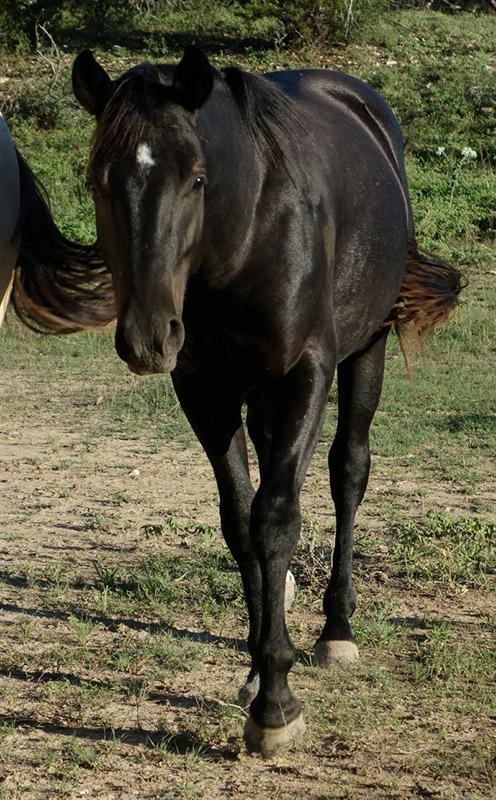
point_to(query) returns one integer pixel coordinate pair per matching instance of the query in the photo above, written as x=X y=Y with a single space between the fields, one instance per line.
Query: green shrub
x=96 y=14
x=304 y=21
x=19 y=20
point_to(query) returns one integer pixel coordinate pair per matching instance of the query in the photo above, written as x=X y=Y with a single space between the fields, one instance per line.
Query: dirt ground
x=52 y=481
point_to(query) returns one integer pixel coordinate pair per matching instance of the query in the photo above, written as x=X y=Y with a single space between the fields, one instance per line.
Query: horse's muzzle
x=150 y=353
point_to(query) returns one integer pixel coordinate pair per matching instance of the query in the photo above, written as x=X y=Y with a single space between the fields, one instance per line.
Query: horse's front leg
x=276 y=720
x=216 y=420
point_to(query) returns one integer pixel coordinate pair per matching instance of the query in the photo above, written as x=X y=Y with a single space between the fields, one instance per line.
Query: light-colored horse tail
x=428 y=293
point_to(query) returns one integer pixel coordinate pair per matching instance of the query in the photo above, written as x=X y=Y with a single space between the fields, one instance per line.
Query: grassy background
x=428 y=529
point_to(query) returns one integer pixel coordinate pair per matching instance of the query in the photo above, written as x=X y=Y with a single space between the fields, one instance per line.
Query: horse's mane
x=267 y=113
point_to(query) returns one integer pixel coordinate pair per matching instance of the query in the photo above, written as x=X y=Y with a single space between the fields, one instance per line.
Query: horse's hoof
x=248 y=692
x=271 y=741
x=343 y=653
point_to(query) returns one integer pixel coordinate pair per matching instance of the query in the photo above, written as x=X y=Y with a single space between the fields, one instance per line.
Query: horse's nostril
x=145 y=349
x=176 y=332
x=172 y=340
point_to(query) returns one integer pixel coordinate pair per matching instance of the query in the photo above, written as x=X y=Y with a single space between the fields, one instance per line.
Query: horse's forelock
x=129 y=115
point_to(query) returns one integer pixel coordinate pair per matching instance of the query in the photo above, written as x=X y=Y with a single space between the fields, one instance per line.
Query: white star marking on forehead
x=144 y=155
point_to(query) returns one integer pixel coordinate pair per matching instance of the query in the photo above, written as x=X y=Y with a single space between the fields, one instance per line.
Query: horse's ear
x=193 y=78
x=91 y=84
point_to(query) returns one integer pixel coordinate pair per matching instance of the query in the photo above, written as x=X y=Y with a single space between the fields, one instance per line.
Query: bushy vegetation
x=291 y=22
x=24 y=22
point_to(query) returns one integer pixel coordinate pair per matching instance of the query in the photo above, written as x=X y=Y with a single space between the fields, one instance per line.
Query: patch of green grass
x=205 y=574
x=100 y=396
x=206 y=578
x=374 y=628
x=443 y=655
x=96 y=521
x=445 y=549
x=25 y=628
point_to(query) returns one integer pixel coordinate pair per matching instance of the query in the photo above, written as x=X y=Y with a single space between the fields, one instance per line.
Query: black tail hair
x=60 y=286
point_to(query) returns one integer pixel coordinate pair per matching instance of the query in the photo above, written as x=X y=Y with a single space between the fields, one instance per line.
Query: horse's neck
x=235 y=174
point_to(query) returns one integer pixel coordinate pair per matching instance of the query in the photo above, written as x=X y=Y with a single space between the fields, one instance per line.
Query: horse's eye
x=91 y=187
x=199 y=181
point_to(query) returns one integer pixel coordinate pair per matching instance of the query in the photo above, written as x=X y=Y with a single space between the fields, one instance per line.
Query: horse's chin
x=152 y=366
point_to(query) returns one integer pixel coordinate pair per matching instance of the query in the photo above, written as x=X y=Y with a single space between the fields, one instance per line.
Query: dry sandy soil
x=78 y=734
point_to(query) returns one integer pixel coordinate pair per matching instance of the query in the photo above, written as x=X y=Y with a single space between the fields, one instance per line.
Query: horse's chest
x=246 y=348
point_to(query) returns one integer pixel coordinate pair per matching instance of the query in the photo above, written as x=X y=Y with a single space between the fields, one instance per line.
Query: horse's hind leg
x=359 y=388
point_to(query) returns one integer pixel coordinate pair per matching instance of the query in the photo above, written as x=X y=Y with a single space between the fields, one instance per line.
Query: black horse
x=260 y=237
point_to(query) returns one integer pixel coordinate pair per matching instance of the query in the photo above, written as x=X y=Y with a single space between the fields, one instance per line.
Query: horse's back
x=9 y=213
x=336 y=96
x=349 y=108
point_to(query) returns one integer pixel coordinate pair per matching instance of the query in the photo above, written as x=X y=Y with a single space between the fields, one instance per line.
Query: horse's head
x=147 y=175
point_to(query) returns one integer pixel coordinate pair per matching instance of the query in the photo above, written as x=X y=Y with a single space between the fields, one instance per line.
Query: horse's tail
x=428 y=293
x=59 y=286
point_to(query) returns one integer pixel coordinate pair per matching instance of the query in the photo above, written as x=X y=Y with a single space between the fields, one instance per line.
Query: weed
x=96 y=521
x=440 y=655
x=312 y=560
x=30 y=575
x=107 y=577
x=83 y=627
x=183 y=790
x=102 y=598
x=152 y=530
x=374 y=628
x=25 y=628
x=56 y=575
x=47 y=758
x=446 y=549
x=209 y=533
x=81 y=753
x=122 y=497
